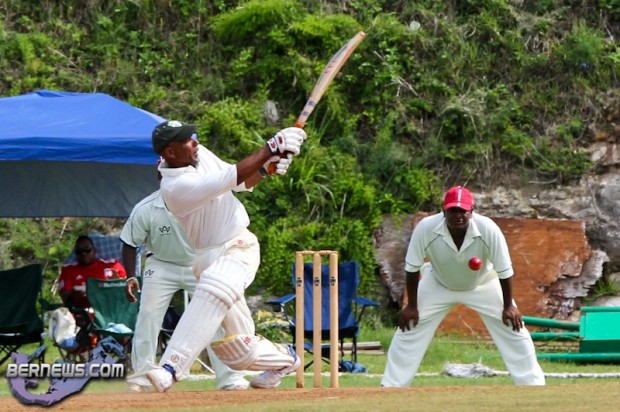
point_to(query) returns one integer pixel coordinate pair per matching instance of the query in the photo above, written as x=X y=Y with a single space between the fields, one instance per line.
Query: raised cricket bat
x=329 y=73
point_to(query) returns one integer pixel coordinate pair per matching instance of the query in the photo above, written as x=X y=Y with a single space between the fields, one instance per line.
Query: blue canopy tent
x=74 y=154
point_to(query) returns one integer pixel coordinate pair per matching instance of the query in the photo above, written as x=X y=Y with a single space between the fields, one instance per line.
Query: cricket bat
x=329 y=73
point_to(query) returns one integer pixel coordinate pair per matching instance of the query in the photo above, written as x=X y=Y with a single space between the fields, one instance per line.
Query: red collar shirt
x=73 y=276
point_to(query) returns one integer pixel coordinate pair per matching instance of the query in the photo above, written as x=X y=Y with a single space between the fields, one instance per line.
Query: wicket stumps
x=317 y=303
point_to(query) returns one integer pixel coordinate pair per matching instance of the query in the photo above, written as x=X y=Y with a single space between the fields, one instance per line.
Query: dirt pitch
x=193 y=400
x=586 y=396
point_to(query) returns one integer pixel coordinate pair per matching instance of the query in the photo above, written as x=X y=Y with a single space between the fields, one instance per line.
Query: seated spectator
x=72 y=283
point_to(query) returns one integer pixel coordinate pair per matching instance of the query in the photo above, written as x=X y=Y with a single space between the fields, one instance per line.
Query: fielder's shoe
x=161 y=378
x=137 y=388
x=271 y=379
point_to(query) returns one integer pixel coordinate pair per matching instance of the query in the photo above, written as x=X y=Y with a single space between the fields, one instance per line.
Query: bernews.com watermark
x=65 y=370
x=27 y=376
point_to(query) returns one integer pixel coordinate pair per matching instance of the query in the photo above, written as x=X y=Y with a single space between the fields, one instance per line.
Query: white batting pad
x=227 y=292
x=228 y=268
x=238 y=352
x=253 y=353
x=195 y=330
x=272 y=356
x=238 y=320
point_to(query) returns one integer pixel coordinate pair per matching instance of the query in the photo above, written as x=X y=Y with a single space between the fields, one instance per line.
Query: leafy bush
x=474 y=92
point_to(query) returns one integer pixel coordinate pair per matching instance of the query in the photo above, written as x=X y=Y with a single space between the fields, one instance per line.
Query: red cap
x=458 y=197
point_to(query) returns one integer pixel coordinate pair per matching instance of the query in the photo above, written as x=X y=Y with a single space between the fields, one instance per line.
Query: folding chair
x=108 y=247
x=350 y=308
x=114 y=315
x=20 y=322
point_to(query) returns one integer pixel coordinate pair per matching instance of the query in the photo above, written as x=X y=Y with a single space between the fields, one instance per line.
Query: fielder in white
x=168 y=269
x=438 y=277
x=197 y=187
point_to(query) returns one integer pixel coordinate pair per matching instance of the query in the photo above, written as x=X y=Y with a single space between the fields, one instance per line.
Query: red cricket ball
x=475 y=263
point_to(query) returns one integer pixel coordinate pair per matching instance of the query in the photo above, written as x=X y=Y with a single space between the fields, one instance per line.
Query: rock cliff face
x=554 y=267
x=562 y=239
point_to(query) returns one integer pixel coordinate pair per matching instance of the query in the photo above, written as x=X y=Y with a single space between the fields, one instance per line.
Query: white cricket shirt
x=201 y=199
x=484 y=239
x=151 y=224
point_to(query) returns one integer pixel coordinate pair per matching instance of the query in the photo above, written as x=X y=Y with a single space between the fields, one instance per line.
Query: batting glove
x=287 y=140
x=281 y=165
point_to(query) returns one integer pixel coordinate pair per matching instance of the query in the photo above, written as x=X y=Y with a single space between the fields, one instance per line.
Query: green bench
x=598 y=334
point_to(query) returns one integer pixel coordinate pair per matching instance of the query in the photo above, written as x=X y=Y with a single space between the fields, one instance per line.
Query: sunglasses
x=83 y=251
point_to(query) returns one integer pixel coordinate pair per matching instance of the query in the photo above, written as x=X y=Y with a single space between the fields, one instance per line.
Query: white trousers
x=224 y=272
x=434 y=303
x=161 y=280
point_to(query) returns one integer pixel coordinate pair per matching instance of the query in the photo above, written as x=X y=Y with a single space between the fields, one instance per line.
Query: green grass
x=443 y=349
x=432 y=390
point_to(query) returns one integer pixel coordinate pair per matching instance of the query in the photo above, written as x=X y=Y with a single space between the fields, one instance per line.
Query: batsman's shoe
x=161 y=378
x=272 y=379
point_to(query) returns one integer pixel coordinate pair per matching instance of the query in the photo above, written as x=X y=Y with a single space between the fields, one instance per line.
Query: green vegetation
x=479 y=92
x=602 y=287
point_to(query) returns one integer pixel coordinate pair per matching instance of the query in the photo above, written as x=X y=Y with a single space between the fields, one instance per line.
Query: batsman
x=197 y=188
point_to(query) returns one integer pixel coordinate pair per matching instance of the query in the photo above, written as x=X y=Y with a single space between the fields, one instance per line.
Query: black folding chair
x=20 y=322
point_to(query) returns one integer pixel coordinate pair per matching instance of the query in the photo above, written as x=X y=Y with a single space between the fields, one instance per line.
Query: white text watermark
x=65 y=370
